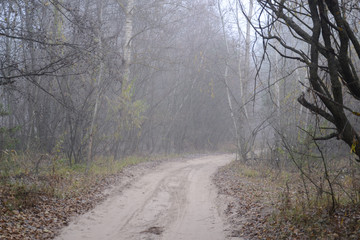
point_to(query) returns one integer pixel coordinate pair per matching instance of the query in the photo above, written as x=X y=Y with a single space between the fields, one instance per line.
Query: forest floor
x=263 y=204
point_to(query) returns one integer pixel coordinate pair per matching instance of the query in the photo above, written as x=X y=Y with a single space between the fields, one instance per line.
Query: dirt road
x=175 y=201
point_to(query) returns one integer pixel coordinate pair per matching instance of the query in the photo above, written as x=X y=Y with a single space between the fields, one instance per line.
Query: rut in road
x=175 y=201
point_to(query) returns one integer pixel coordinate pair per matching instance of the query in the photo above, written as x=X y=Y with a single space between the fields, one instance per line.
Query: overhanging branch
x=330 y=136
x=315 y=109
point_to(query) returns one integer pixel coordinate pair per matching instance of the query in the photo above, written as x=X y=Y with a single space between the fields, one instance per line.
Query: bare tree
x=113 y=77
x=330 y=44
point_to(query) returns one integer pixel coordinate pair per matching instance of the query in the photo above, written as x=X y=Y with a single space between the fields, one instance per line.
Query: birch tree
x=98 y=80
x=229 y=97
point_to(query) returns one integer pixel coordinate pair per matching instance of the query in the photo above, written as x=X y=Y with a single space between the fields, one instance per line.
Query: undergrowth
x=302 y=208
x=26 y=177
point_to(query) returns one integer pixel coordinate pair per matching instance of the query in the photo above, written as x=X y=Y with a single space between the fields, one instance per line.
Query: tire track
x=175 y=201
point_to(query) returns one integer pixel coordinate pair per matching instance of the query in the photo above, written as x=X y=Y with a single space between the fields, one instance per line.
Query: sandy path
x=175 y=201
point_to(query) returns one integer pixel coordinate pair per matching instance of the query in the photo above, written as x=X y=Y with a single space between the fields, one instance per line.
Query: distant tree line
x=111 y=77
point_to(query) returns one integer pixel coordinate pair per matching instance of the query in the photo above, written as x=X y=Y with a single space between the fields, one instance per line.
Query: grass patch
x=248 y=172
x=106 y=166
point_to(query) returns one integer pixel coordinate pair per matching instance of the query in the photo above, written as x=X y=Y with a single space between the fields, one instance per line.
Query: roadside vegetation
x=271 y=203
x=38 y=198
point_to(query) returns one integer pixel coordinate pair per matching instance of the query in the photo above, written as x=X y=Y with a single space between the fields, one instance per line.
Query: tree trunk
x=127 y=42
x=237 y=139
x=97 y=84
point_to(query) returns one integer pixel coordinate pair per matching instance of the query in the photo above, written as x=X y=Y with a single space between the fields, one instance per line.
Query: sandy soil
x=175 y=201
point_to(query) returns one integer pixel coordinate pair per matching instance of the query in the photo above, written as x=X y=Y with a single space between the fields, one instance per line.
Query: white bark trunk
x=127 y=40
x=226 y=78
x=243 y=69
x=277 y=88
x=97 y=86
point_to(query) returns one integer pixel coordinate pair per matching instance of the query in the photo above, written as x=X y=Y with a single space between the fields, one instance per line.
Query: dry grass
x=301 y=206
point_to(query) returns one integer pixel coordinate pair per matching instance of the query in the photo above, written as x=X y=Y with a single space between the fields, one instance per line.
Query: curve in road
x=175 y=201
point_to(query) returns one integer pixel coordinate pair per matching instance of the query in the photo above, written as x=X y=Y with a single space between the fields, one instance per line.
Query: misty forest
x=94 y=93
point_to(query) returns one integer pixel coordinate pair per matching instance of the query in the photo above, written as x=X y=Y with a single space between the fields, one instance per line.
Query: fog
x=115 y=78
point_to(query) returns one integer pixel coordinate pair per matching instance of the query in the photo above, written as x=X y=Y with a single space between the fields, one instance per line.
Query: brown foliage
x=266 y=206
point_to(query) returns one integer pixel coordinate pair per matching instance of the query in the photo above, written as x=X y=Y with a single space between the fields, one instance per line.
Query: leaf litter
x=28 y=213
x=256 y=207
